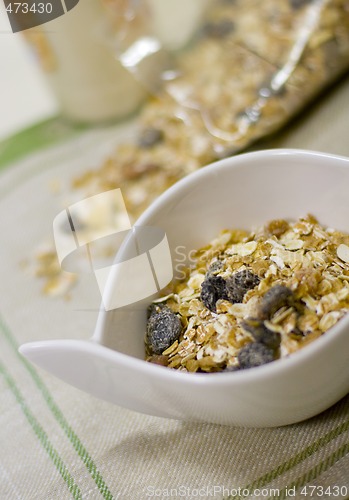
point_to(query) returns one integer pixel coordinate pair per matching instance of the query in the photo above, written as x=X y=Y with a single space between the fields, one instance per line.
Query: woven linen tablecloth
x=57 y=442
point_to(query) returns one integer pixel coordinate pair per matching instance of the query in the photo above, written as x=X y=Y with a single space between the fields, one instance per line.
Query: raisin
x=276 y=297
x=240 y=283
x=212 y=289
x=255 y=354
x=163 y=328
x=154 y=309
x=215 y=266
x=219 y=29
x=149 y=137
x=297 y=4
x=261 y=333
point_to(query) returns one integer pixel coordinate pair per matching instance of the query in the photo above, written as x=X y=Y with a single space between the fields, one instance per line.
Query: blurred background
x=24 y=93
x=305 y=49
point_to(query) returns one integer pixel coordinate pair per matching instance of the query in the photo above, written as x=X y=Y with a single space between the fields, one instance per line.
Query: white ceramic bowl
x=239 y=192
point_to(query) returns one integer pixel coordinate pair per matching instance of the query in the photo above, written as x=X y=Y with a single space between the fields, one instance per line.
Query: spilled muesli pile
x=252 y=298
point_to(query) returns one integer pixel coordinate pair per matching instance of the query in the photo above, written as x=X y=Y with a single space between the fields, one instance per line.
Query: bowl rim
x=222 y=378
x=238 y=161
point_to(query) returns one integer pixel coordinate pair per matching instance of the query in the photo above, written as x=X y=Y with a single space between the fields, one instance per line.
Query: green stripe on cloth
x=72 y=436
x=296 y=459
x=37 y=137
x=42 y=436
x=315 y=471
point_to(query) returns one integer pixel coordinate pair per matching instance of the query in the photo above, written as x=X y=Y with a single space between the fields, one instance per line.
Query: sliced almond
x=343 y=253
x=293 y=244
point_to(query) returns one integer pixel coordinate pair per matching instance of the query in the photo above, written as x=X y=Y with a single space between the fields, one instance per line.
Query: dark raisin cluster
x=265 y=346
x=232 y=289
x=163 y=328
x=212 y=289
x=261 y=333
x=239 y=284
x=276 y=297
x=255 y=354
x=263 y=349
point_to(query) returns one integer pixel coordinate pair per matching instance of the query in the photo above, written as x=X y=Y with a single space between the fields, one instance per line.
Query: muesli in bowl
x=243 y=191
x=250 y=298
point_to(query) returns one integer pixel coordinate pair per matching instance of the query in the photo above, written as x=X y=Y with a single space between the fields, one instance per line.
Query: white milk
x=88 y=81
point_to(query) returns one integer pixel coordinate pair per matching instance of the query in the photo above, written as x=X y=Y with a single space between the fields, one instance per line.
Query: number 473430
x=24 y=8
x=320 y=491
